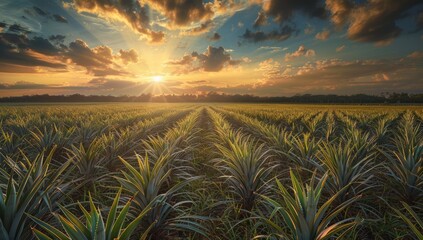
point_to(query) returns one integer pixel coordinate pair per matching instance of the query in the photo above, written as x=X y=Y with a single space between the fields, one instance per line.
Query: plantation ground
x=216 y=171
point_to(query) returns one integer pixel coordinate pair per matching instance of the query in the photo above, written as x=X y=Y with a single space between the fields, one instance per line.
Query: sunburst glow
x=157 y=78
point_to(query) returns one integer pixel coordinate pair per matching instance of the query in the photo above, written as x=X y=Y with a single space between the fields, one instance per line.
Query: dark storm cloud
x=19 y=53
x=16 y=49
x=284 y=10
x=183 y=12
x=128 y=11
x=276 y=35
x=214 y=59
x=376 y=21
x=372 y=21
x=59 y=18
x=215 y=37
x=43 y=46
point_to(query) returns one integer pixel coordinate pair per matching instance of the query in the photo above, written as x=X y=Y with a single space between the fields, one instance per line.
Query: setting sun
x=157 y=79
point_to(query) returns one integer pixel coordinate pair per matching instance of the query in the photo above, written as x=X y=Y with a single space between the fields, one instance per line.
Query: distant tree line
x=217 y=97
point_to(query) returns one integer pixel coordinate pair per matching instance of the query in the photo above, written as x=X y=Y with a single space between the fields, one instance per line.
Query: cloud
x=128 y=56
x=57 y=38
x=19 y=53
x=214 y=59
x=96 y=84
x=323 y=35
x=2 y=26
x=334 y=76
x=99 y=83
x=183 y=12
x=59 y=18
x=261 y=20
x=373 y=21
x=339 y=11
x=301 y=51
x=360 y=76
x=105 y=83
x=284 y=10
x=99 y=60
x=18 y=29
x=272 y=49
x=128 y=11
x=43 y=46
x=216 y=37
x=340 y=48
x=170 y=14
x=276 y=35
x=19 y=50
x=46 y=14
x=270 y=68
x=376 y=21
x=201 y=29
x=23 y=85
x=197 y=82
x=329 y=76
x=380 y=77
x=39 y=11
x=185 y=60
x=416 y=54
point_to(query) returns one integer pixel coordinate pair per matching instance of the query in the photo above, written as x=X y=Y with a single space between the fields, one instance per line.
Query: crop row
x=218 y=171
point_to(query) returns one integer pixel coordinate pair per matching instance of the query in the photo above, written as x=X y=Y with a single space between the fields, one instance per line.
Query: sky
x=259 y=47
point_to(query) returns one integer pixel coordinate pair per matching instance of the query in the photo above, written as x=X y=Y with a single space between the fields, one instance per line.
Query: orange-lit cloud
x=300 y=52
x=130 y=12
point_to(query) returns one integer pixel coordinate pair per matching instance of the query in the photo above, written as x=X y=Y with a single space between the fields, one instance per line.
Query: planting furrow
x=246 y=168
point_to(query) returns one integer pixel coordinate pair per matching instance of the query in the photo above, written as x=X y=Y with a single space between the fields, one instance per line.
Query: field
x=210 y=171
